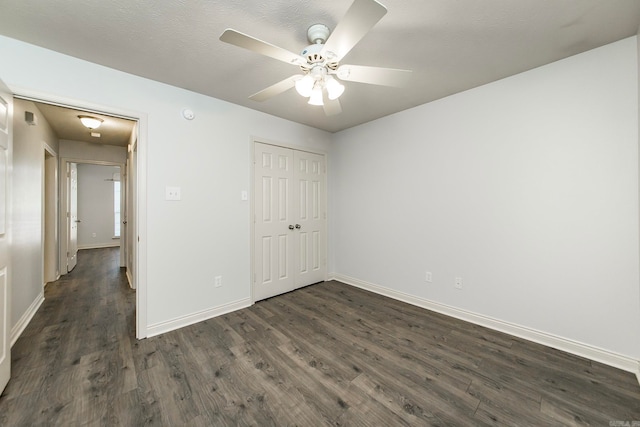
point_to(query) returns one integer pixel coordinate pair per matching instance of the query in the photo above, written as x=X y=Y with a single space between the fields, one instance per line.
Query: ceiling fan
x=320 y=61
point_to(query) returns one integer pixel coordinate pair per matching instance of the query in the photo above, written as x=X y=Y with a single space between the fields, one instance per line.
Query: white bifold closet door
x=290 y=220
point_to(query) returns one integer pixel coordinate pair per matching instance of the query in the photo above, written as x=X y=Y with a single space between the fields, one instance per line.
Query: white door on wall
x=72 y=216
x=310 y=217
x=274 y=224
x=6 y=118
x=290 y=220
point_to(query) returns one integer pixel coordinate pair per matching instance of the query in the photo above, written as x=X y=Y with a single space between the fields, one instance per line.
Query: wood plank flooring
x=328 y=354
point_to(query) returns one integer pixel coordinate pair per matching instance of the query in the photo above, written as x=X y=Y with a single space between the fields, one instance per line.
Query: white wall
x=26 y=220
x=527 y=188
x=96 y=206
x=80 y=150
x=207 y=233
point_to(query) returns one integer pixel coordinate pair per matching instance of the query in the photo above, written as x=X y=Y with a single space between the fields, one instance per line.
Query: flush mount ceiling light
x=320 y=62
x=90 y=122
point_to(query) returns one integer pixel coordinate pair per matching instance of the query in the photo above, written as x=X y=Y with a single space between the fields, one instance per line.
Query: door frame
x=141 y=184
x=56 y=214
x=252 y=222
x=66 y=219
x=131 y=214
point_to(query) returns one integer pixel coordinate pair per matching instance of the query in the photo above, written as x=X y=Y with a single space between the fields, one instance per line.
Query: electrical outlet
x=93 y=234
x=428 y=277
x=172 y=193
x=217 y=281
x=458 y=283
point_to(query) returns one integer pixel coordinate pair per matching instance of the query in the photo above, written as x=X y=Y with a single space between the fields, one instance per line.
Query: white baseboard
x=98 y=246
x=19 y=327
x=130 y=279
x=190 y=319
x=587 y=351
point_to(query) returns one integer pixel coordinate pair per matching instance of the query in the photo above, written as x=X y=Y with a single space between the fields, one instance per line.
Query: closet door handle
x=298 y=226
x=290 y=227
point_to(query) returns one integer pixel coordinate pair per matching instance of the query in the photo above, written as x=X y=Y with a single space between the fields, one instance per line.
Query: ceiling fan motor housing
x=318 y=33
x=313 y=53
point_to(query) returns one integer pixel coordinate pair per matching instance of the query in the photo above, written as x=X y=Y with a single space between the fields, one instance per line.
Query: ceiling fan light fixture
x=334 y=88
x=90 y=122
x=304 y=86
x=320 y=62
x=316 y=96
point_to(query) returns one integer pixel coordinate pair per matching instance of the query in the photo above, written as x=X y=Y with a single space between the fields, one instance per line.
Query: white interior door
x=72 y=216
x=274 y=226
x=290 y=220
x=123 y=214
x=310 y=215
x=6 y=119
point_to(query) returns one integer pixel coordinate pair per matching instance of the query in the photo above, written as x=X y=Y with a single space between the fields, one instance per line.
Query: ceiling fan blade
x=251 y=43
x=359 y=19
x=276 y=89
x=374 y=75
x=331 y=107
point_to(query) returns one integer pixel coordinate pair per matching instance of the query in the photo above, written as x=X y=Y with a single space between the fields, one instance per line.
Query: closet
x=289 y=219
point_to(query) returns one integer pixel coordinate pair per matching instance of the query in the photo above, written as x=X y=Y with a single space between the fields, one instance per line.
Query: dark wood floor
x=328 y=354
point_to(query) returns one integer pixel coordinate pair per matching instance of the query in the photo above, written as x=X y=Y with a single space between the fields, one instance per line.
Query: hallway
x=74 y=361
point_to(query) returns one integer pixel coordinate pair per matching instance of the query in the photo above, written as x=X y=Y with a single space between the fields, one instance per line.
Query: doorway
x=95 y=205
x=86 y=154
x=289 y=227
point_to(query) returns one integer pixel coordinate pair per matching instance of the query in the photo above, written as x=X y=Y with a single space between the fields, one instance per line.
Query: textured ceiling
x=451 y=45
